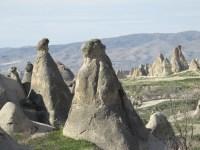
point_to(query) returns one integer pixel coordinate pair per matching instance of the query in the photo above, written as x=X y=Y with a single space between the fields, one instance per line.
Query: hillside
x=124 y=51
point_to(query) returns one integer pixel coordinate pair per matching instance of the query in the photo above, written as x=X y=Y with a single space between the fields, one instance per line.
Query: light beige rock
x=160 y=67
x=101 y=112
x=178 y=61
x=194 y=65
x=10 y=90
x=47 y=84
x=196 y=113
x=160 y=127
x=13 y=120
x=7 y=143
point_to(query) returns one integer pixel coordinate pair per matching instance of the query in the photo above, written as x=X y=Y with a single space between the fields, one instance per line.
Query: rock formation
x=13 y=74
x=7 y=143
x=140 y=71
x=160 y=67
x=178 y=61
x=66 y=73
x=48 y=86
x=196 y=113
x=161 y=128
x=10 y=90
x=13 y=120
x=101 y=112
x=26 y=81
x=194 y=65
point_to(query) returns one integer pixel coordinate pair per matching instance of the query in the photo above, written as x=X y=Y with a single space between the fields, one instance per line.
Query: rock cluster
x=48 y=86
x=13 y=120
x=194 y=65
x=160 y=67
x=178 y=61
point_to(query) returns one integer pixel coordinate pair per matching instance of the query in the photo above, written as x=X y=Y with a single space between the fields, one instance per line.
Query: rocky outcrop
x=161 y=128
x=160 y=67
x=101 y=112
x=13 y=120
x=13 y=74
x=142 y=70
x=194 y=65
x=48 y=86
x=10 y=90
x=66 y=73
x=7 y=143
x=26 y=81
x=178 y=61
x=196 y=113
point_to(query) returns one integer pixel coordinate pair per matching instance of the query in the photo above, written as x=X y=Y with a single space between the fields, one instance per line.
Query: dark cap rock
x=43 y=44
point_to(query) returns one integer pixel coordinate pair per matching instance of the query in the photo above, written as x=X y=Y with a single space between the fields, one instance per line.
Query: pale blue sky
x=24 y=22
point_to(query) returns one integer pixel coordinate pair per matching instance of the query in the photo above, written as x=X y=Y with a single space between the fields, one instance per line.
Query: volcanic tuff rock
x=194 y=65
x=160 y=67
x=13 y=120
x=101 y=112
x=160 y=127
x=196 y=113
x=48 y=86
x=13 y=74
x=141 y=71
x=10 y=90
x=7 y=143
x=66 y=73
x=26 y=81
x=178 y=61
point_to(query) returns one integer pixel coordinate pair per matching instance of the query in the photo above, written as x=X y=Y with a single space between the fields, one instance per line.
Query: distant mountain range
x=125 y=51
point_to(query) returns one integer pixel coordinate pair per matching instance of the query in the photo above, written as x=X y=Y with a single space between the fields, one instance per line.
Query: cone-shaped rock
x=160 y=67
x=26 y=81
x=101 y=112
x=10 y=90
x=194 y=65
x=48 y=84
x=66 y=73
x=13 y=74
x=13 y=120
x=160 y=127
x=178 y=61
x=7 y=143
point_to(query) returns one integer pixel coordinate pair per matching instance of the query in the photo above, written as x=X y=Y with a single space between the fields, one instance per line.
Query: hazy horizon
x=24 y=22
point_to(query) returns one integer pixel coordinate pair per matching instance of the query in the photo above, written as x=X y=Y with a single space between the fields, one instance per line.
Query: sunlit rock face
x=48 y=86
x=101 y=112
x=160 y=67
x=178 y=61
x=194 y=65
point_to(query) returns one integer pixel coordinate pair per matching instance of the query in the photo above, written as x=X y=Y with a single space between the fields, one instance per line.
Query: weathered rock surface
x=26 y=81
x=194 y=65
x=10 y=90
x=13 y=74
x=13 y=120
x=66 y=73
x=142 y=70
x=196 y=113
x=161 y=128
x=7 y=143
x=48 y=86
x=178 y=61
x=160 y=67
x=101 y=112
